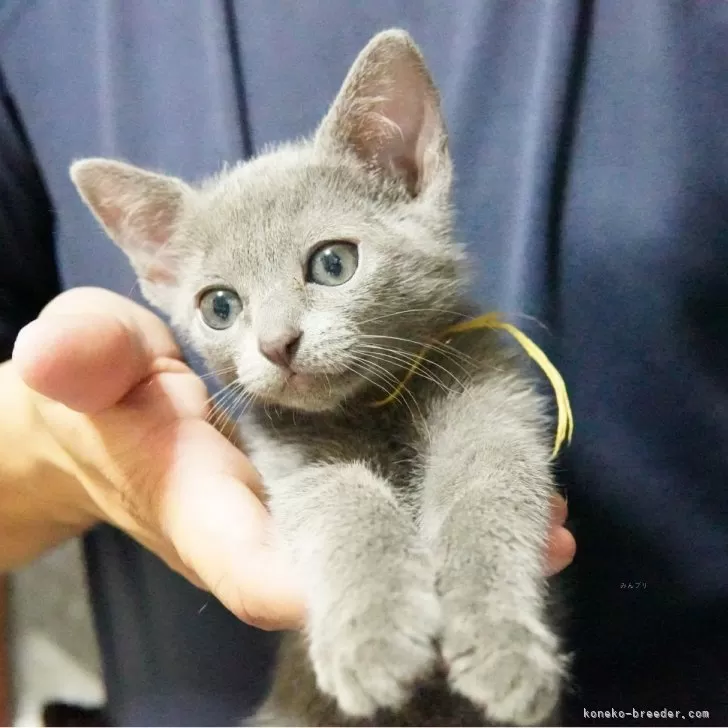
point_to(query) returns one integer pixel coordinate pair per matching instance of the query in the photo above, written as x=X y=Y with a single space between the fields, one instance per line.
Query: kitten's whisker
x=418 y=365
x=403 y=361
x=420 y=370
x=217 y=415
x=239 y=397
x=378 y=371
x=227 y=415
x=221 y=392
x=219 y=399
x=421 y=365
x=367 y=366
x=248 y=404
x=410 y=310
x=219 y=408
x=239 y=406
x=349 y=367
x=450 y=352
x=241 y=403
x=218 y=372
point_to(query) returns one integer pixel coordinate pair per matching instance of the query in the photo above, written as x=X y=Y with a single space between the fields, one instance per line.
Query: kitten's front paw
x=510 y=668
x=367 y=654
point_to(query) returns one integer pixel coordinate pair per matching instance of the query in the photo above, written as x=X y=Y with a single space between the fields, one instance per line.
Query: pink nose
x=280 y=349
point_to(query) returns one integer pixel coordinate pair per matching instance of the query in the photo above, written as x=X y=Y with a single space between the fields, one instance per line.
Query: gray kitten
x=309 y=278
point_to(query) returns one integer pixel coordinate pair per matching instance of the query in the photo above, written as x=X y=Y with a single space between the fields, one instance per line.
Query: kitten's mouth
x=310 y=384
x=308 y=390
x=298 y=380
x=302 y=382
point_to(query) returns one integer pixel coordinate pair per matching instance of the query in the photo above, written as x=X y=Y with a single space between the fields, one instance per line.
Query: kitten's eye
x=332 y=264
x=219 y=307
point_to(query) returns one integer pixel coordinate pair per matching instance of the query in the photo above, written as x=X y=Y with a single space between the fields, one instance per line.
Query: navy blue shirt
x=591 y=152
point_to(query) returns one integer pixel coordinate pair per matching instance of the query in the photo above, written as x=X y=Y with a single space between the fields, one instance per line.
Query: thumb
x=89 y=347
x=223 y=532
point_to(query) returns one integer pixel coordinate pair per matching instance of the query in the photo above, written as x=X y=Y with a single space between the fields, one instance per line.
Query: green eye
x=332 y=264
x=219 y=307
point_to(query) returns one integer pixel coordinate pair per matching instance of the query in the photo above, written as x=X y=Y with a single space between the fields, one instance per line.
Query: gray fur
x=420 y=526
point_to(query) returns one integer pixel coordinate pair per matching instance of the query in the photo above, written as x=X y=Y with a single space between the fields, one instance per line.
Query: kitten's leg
x=486 y=495
x=373 y=613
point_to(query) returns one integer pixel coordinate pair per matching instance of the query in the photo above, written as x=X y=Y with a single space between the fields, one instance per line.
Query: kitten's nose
x=280 y=349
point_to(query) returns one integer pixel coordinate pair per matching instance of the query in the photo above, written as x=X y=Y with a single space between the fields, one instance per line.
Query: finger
x=89 y=347
x=562 y=549
x=559 y=510
x=166 y=552
x=222 y=531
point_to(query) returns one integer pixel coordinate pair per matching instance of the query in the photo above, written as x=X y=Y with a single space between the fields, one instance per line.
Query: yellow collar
x=565 y=422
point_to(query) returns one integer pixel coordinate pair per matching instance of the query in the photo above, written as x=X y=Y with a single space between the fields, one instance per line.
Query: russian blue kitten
x=310 y=277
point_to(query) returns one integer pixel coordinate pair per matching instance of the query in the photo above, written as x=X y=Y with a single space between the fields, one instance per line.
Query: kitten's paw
x=512 y=669
x=367 y=655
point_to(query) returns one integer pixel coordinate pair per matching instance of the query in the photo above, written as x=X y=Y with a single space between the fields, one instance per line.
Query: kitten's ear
x=140 y=211
x=388 y=113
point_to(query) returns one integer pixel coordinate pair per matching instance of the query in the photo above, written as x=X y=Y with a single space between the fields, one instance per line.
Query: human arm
x=27 y=282
x=5 y=707
x=37 y=491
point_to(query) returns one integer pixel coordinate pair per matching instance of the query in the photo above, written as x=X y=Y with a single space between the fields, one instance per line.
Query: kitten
x=310 y=277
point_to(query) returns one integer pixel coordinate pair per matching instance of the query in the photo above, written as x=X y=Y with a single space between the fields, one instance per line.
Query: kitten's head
x=296 y=272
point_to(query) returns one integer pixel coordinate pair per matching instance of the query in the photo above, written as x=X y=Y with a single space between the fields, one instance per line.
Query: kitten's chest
x=280 y=447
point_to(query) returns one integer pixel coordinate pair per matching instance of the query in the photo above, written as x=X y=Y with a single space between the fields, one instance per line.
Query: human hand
x=130 y=418
x=562 y=546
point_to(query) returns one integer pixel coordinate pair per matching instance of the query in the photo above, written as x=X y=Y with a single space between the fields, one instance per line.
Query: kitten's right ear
x=388 y=114
x=140 y=211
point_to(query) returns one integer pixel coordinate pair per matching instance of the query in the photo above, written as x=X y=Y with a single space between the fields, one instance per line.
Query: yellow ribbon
x=565 y=422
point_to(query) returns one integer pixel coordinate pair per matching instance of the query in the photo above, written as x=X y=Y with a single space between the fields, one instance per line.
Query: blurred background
x=52 y=650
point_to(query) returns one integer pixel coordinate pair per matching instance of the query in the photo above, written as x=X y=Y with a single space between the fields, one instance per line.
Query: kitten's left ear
x=388 y=113
x=140 y=211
